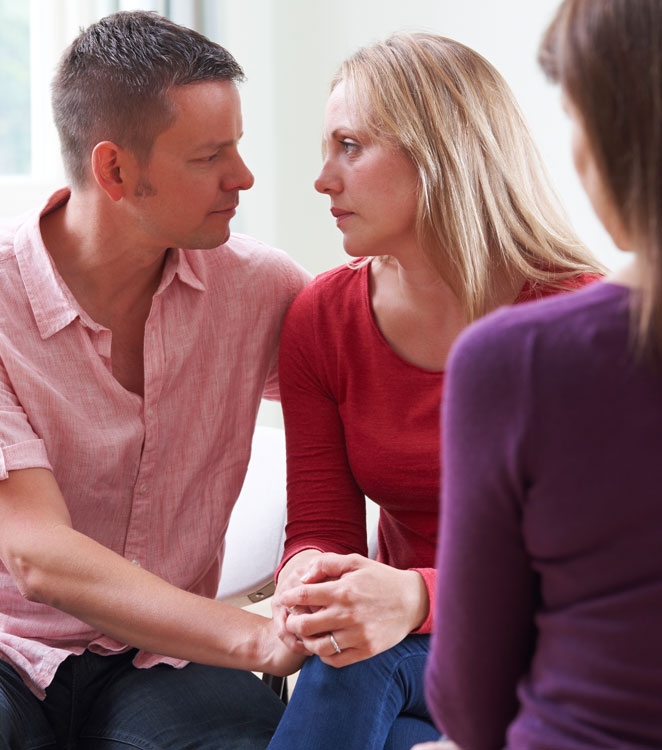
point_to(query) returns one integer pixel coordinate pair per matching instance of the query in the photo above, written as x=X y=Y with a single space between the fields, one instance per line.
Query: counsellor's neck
x=629 y=275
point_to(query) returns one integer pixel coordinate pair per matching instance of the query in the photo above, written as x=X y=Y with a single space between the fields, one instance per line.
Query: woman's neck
x=419 y=313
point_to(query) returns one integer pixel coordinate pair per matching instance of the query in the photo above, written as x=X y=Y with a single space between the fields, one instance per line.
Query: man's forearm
x=53 y=564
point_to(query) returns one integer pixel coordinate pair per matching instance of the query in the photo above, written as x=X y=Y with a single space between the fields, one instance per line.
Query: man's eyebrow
x=217 y=145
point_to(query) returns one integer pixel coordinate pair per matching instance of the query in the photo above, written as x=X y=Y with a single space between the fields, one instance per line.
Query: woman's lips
x=340 y=215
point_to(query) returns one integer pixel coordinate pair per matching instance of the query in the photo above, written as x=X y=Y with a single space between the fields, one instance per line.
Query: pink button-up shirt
x=152 y=478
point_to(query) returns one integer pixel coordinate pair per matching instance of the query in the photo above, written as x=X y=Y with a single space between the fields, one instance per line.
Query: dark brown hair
x=607 y=56
x=113 y=80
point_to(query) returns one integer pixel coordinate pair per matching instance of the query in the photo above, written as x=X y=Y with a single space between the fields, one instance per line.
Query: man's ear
x=107 y=167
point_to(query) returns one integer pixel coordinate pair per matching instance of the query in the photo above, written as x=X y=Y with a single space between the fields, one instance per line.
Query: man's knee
x=199 y=706
x=23 y=725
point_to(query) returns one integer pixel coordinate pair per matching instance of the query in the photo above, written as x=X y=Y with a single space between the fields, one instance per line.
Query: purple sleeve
x=486 y=588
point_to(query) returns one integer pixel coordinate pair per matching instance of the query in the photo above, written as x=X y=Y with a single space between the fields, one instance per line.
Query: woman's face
x=373 y=186
x=590 y=177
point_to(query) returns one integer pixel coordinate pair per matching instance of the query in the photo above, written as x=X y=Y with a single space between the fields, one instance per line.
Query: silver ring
x=335 y=645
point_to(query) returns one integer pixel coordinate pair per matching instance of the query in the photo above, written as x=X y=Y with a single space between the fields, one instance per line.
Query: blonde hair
x=485 y=203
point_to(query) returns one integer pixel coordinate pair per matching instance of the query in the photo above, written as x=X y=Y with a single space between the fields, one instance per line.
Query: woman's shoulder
x=343 y=277
x=334 y=290
x=322 y=314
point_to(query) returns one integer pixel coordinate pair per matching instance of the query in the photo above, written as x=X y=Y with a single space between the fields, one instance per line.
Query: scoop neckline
x=377 y=330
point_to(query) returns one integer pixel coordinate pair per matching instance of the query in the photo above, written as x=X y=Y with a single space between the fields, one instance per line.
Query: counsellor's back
x=550 y=589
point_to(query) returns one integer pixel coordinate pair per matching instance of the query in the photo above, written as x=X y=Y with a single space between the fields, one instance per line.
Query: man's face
x=189 y=190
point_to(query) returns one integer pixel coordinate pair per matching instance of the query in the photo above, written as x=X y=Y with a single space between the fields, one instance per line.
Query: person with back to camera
x=549 y=608
x=441 y=198
x=131 y=374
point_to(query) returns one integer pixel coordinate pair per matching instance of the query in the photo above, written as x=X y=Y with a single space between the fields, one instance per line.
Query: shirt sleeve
x=326 y=508
x=20 y=447
x=486 y=589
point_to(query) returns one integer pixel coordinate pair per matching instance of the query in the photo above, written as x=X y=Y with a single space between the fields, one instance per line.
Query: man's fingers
x=312 y=625
x=294 y=644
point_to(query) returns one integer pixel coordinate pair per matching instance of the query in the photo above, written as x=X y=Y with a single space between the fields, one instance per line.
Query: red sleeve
x=325 y=506
x=429 y=576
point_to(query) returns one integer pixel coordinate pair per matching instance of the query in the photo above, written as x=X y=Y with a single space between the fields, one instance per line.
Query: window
x=33 y=35
x=15 y=129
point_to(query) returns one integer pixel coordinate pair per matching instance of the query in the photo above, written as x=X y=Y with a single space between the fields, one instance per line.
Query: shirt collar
x=53 y=305
x=178 y=264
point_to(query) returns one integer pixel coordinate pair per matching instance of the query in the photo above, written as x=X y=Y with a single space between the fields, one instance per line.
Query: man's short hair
x=112 y=83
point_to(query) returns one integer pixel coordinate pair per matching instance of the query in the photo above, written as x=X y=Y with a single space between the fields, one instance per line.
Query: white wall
x=290 y=49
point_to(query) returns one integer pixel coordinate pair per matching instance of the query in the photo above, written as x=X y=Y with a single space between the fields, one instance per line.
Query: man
x=130 y=377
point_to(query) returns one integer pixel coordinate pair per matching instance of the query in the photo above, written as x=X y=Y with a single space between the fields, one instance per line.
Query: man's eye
x=207 y=159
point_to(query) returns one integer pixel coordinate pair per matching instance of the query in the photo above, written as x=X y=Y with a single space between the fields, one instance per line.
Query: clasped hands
x=367 y=606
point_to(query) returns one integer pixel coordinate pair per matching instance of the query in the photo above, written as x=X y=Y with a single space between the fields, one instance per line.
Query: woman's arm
x=325 y=505
x=326 y=513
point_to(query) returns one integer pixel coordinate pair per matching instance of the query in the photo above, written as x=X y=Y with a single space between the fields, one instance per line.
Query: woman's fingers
x=325 y=648
x=331 y=566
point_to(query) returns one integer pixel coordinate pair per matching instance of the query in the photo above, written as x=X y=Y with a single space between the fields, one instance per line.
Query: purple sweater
x=549 y=607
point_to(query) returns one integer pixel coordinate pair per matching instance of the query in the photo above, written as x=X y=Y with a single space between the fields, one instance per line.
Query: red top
x=360 y=421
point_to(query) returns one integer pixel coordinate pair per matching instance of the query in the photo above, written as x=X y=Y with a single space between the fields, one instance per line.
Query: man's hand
x=56 y=565
x=290 y=576
x=367 y=606
x=277 y=658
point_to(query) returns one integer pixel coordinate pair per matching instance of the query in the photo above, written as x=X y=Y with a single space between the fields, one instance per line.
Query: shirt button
x=142 y=489
x=135 y=562
x=150 y=412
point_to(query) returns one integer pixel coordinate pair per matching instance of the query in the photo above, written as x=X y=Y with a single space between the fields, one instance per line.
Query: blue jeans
x=376 y=704
x=105 y=703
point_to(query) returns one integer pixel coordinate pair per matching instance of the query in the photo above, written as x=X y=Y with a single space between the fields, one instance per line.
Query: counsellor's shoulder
x=558 y=322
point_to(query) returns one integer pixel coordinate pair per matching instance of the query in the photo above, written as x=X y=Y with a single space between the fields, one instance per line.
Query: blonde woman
x=441 y=198
x=557 y=513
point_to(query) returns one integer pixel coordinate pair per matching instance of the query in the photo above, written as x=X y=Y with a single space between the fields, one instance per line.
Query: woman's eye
x=349 y=146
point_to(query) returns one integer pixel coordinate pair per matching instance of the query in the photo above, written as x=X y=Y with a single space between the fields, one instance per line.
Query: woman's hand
x=367 y=606
x=441 y=745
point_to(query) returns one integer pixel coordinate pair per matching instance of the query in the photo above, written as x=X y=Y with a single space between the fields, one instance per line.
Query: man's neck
x=102 y=265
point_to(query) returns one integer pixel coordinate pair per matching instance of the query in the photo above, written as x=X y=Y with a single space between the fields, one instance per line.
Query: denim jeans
x=376 y=704
x=105 y=703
